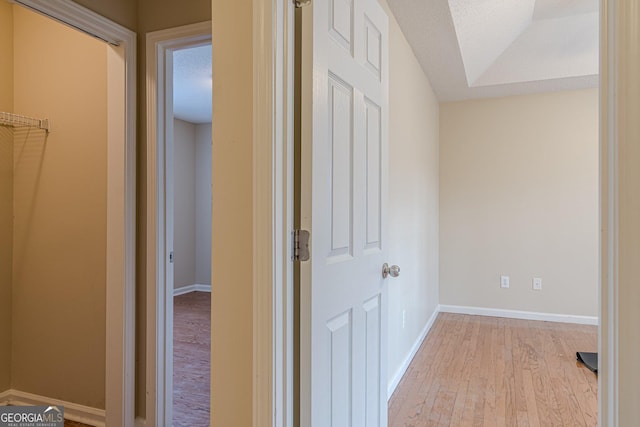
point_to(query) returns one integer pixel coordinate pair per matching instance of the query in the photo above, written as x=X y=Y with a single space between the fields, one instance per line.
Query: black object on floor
x=590 y=360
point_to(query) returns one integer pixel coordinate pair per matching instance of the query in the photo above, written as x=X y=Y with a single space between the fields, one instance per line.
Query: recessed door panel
x=374 y=179
x=373 y=341
x=341 y=392
x=341 y=22
x=341 y=143
x=373 y=39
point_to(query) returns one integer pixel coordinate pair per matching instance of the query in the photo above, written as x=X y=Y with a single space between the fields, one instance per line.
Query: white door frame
x=608 y=317
x=619 y=106
x=121 y=199
x=611 y=131
x=273 y=176
x=159 y=362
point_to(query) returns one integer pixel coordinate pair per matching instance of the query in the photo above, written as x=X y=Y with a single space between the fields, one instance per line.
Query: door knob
x=393 y=271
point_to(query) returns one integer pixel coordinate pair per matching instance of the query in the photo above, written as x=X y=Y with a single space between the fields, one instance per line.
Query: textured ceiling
x=487 y=48
x=486 y=28
x=546 y=9
x=192 y=84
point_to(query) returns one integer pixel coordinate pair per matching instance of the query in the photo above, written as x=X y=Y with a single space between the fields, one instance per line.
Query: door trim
x=121 y=199
x=273 y=131
x=159 y=295
x=615 y=24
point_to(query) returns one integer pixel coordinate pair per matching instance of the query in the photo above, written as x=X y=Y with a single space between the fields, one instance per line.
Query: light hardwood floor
x=486 y=371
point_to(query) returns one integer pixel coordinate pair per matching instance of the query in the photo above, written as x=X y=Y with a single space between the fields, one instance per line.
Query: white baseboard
x=140 y=422
x=191 y=288
x=516 y=314
x=72 y=411
x=407 y=361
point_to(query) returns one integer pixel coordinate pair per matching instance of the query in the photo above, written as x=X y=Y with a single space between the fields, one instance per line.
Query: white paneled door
x=344 y=174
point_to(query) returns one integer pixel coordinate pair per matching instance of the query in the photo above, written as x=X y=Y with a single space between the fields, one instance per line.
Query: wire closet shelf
x=16 y=120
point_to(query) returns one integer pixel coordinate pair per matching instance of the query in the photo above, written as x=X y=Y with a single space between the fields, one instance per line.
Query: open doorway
x=192 y=235
x=507 y=186
x=179 y=225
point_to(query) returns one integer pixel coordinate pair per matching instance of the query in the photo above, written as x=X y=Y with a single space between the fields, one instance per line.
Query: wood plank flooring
x=191 y=359
x=493 y=372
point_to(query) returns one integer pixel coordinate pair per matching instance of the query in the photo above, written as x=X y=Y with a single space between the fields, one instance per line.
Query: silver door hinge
x=300 y=245
x=302 y=3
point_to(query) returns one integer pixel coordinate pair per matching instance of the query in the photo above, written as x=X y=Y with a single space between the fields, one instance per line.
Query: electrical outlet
x=404 y=318
x=504 y=282
x=537 y=284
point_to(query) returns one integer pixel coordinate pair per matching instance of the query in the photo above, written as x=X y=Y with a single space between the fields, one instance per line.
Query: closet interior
x=53 y=216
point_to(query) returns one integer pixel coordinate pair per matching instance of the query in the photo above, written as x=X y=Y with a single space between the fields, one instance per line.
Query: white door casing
x=344 y=100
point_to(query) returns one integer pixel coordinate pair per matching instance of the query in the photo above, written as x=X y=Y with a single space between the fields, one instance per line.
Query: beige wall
x=413 y=198
x=6 y=193
x=60 y=213
x=156 y=15
x=184 y=204
x=232 y=288
x=519 y=197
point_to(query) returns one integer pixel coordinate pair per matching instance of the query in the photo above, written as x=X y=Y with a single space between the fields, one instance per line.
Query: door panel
x=374 y=178
x=341 y=166
x=344 y=77
x=340 y=329
x=373 y=48
x=341 y=16
x=373 y=348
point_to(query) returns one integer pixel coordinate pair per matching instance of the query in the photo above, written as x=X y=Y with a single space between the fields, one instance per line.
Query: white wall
x=184 y=204
x=519 y=197
x=203 y=204
x=192 y=204
x=413 y=200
